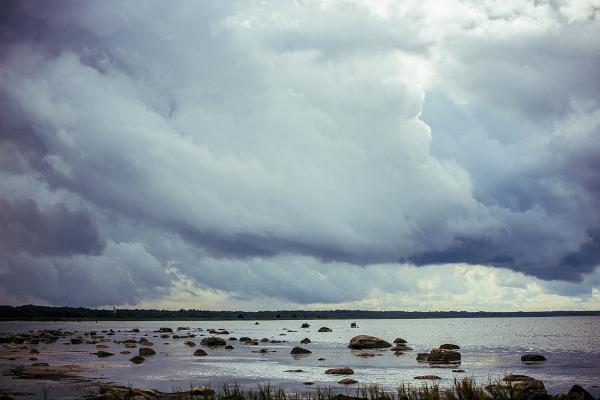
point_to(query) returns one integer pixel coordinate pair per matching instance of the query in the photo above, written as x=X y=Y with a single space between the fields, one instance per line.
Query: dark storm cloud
x=46 y=232
x=224 y=136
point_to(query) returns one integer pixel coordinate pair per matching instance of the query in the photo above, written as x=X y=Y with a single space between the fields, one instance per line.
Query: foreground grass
x=462 y=389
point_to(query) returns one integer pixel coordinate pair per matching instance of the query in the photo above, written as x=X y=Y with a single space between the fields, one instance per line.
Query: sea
x=490 y=349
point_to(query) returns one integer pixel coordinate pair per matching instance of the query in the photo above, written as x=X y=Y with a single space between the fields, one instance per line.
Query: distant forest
x=32 y=312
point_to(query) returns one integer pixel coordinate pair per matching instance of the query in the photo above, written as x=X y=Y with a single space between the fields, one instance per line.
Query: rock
x=428 y=377
x=439 y=356
x=400 y=347
x=264 y=340
x=449 y=346
x=165 y=330
x=34 y=351
x=126 y=352
x=308 y=383
x=533 y=358
x=103 y=353
x=135 y=330
x=305 y=341
x=300 y=350
x=398 y=353
x=146 y=351
x=40 y=364
x=294 y=370
x=213 y=341
x=189 y=343
x=228 y=347
x=76 y=341
x=458 y=371
x=366 y=354
x=232 y=338
x=325 y=329
x=245 y=339
x=579 y=393
x=202 y=391
x=517 y=378
x=183 y=328
x=400 y=340
x=321 y=359
x=347 y=381
x=305 y=325
x=367 y=342
x=129 y=341
x=200 y=352
x=137 y=359
x=531 y=390
x=339 y=371
x=422 y=357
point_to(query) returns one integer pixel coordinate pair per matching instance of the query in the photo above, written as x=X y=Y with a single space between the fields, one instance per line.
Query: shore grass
x=461 y=389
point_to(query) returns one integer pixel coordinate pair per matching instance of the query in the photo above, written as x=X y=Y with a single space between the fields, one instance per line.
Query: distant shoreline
x=45 y=313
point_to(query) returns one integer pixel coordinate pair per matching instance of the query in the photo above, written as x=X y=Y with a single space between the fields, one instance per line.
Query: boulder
x=367 y=342
x=579 y=393
x=531 y=390
x=305 y=325
x=137 y=359
x=76 y=341
x=299 y=350
x=228 y=347
x=449 y=346
x=325 y=329
x=533 y=358
x=339 y=371
x=428 y=377
x=347 y=381
x=146 y=351
x=423 y=357
x=189 y=343
x=517 y=378
x=439 y=356
x=305 y=341
x=200 y=352
x=202 y=391
x=213 y=341
x=400 y=340
x=165 y=330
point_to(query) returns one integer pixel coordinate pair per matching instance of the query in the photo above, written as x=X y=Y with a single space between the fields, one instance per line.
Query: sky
x=266 y=155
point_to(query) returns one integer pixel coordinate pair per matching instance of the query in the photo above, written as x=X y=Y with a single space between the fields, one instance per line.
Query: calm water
x=490 y=348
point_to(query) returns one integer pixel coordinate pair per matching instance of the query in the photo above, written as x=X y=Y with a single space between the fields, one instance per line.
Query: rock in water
x=347 y=381
x=213 y=341
x=579 y=393
x=200 y=352
x=367 y=342
x=428 y=377
x=533 y=358
x=438 y=356
x=146 y=351
x=102 y=353
x=422 y=357
x=137 y=359
x=339 y=371
x=305 y=325
x=300 y=350
x=305 y=341
x=449 y=346
x=325 y=329
x=531 y=390
x=400 y=340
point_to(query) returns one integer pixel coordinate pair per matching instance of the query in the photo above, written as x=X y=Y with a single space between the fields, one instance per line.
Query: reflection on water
x=490 y=348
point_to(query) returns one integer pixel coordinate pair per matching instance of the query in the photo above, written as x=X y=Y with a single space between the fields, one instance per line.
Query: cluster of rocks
x=445 y=355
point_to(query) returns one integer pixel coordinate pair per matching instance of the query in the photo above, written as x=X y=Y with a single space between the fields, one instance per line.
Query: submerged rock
x=347 y=381
x=102 y=353
x=367 y=342
x=428 y=377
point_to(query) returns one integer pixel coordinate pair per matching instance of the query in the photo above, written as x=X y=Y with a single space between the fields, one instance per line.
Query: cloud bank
x=229 y=148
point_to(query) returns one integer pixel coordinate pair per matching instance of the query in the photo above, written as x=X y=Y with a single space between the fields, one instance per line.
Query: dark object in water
x=300 y=350
x=533 y=358
x=305 y=325
x=353 y=325
x=325 y=329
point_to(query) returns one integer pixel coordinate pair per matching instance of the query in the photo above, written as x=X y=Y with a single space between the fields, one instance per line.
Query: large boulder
x=305 y=341
x=531 y=390
x=200 y=352
x=367 y=342
x=440 y=356
x=579 y=393
x=213 y=341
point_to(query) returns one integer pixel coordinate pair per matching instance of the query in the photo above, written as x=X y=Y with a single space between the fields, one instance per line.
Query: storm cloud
x=231 y=146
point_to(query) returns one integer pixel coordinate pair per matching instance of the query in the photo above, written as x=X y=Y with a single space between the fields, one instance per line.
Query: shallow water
x=490 y=348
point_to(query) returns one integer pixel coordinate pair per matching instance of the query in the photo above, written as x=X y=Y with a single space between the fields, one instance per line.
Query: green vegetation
x=463 y=389
x=33 y=312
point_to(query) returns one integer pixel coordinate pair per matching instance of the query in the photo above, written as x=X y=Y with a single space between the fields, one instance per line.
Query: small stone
x=428 y=377
x=137 y=359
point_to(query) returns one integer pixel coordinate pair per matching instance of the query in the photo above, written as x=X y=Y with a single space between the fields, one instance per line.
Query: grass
x=462 y=389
